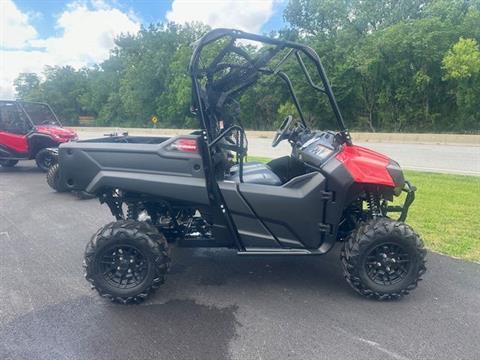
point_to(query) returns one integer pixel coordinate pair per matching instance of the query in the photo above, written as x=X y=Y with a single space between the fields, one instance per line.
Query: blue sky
x=78 y=33
x=44 y=12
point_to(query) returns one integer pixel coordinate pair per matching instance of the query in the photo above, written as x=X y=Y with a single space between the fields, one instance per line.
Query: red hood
x=58 y=133
x=366 y=166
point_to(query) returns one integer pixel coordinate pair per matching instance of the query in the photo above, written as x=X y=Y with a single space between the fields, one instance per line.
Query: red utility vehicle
x=29 y=130
x=191 y=191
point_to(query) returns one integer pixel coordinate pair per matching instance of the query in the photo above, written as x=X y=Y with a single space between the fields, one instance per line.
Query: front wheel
x=383 y=259
x=125 y=261
x=45 y=159
x=54 y=180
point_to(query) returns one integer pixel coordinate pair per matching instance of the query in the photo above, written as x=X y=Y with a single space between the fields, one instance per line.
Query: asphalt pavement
x=214 y=305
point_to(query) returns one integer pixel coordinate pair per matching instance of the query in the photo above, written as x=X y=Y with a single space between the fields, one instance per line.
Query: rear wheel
x=53 y=178
x=126 y=261
x=8 y=163
x=383 y=259
x=45 y=159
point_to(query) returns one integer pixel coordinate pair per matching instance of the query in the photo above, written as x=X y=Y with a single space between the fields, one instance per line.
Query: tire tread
x=53 y=179
x=363 y=237
x=141 y=232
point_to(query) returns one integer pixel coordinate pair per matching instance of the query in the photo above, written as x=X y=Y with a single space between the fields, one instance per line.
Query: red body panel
x=57 y=133
x=15 y=142
x=19 y=143
x=366 y=166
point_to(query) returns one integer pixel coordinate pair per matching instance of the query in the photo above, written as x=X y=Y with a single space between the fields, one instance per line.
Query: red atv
x=190 y=191
x=30 y=130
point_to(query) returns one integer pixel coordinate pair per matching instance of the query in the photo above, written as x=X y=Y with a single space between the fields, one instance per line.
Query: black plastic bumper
x=403 y=209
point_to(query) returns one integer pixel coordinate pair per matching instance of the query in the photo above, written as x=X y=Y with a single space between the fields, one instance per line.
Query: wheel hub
x=48 y=161
x=387 y=264
x=123 y=267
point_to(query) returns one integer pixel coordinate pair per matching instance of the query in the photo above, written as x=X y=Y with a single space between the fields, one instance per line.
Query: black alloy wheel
x=126 y=261
x=383 y=259
x=387 y=264
x=45 y=159
x=123 y=266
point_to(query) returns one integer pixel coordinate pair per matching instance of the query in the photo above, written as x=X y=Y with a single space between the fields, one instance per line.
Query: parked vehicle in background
x=30 y=130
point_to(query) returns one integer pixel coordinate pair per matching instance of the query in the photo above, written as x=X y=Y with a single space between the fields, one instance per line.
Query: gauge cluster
x=318 y=149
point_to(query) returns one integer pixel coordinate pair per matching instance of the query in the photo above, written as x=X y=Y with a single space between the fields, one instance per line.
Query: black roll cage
x=238 y=81
x=20 y=108
x=21 y=103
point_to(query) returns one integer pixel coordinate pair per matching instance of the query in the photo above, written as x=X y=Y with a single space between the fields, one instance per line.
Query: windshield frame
x=21 y=104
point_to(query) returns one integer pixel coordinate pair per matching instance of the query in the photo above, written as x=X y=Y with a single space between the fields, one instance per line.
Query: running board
x=257 y=251
x=206 y=242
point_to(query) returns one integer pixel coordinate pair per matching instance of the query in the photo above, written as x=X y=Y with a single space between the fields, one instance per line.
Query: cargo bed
x=148 y=165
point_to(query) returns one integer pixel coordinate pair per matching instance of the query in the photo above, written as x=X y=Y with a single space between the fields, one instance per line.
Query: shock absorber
x=373 y=203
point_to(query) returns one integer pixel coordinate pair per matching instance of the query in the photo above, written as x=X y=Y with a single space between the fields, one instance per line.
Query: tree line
x=394 y=65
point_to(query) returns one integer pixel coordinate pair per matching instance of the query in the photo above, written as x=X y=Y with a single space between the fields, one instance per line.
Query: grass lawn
x=446 y=212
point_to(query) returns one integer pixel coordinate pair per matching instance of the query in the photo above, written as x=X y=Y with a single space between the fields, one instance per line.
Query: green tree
x=394 y=65
x=62 y=89
x=27 y=86
x=462 y=67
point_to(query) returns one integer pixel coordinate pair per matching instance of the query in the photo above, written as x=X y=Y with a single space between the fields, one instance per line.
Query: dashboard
x=318 y=148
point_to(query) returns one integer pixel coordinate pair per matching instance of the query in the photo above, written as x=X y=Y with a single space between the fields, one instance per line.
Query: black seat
x=254 y=173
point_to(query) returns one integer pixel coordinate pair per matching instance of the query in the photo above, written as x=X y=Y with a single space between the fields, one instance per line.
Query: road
x=453 y=158
x=214 y=305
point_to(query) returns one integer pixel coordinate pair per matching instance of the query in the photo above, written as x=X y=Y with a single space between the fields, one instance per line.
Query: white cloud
x=87 y=36
x=15 y=62
x=248 y=15
x=15 y=30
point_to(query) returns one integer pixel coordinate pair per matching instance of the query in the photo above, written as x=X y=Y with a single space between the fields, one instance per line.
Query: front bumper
x=403 y=209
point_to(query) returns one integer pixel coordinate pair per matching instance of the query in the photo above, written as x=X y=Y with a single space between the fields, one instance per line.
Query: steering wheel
x=282 y=131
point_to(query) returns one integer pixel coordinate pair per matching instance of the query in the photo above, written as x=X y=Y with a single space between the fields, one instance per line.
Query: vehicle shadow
x=219 y=267
x=22 y=167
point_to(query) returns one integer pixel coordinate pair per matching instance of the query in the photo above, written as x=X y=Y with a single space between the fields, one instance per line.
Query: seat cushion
x=254 y=173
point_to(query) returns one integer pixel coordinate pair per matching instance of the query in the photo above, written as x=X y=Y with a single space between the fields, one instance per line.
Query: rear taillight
x=184 y=145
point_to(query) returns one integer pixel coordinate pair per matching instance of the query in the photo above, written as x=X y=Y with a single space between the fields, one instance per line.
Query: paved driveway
x=214 y=305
